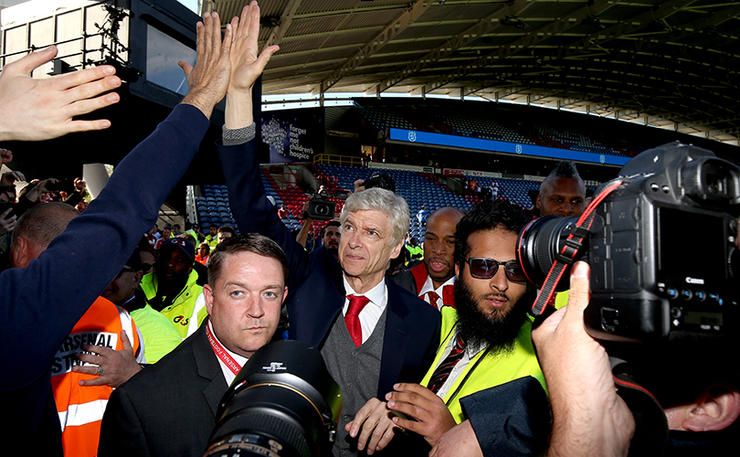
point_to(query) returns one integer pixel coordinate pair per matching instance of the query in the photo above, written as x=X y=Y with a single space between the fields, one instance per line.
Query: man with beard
x=486 y=341
x=172 y=287
x=433 y=280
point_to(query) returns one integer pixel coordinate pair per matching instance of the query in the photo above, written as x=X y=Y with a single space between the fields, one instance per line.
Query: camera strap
x=542 y=305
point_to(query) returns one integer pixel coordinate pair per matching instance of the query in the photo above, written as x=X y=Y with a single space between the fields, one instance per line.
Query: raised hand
x=246 y=67
x=209 y=79
x=246 y=64
x=42 y=109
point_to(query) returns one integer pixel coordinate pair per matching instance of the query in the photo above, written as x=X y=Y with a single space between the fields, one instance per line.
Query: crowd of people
x=123 y=338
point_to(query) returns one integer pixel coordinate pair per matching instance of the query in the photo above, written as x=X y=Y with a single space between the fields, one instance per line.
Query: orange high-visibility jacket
x=81 y=408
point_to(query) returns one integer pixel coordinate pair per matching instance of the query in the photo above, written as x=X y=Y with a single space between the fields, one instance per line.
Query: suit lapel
x=208 y=369
x=394 y=341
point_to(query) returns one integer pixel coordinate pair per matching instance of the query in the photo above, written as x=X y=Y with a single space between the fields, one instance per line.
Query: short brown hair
x=251 y=242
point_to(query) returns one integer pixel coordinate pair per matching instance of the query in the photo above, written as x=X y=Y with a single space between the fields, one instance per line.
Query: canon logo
x=690 y=280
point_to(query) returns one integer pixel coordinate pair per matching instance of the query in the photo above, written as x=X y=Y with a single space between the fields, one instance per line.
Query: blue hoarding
x=480 y=144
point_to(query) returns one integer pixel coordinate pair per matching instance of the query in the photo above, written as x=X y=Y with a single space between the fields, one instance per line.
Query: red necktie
x=352 y=318
x=433 y=298
x=440 y=375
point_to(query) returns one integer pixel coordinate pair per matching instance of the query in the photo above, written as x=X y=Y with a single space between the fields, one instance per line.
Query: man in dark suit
x=371 y=332
x=170 y=407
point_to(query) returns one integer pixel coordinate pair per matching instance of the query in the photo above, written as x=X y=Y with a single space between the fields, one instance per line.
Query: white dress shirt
x=228 y=374
x=370 y=314
x=429 y=287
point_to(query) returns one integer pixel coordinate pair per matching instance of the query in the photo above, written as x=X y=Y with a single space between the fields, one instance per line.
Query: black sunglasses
x=484 y=268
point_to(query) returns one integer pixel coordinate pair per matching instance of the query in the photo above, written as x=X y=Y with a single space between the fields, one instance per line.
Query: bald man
x=433 y=280
x=562 y=193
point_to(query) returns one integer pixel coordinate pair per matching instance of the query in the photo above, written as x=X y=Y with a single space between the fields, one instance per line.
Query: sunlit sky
x=192 y=4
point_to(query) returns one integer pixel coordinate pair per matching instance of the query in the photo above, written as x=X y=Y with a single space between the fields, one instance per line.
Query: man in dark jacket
x=41 y=303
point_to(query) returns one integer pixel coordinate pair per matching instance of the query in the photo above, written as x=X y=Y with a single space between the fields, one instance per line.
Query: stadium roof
x=671 y=64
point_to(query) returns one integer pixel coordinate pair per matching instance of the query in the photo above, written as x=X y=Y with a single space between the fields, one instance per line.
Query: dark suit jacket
x=510 y=420
x=316 y=292
x=169 y=408
x=40 y=304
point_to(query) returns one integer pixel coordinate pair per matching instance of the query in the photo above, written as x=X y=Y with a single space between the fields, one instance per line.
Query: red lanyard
x=221 y=353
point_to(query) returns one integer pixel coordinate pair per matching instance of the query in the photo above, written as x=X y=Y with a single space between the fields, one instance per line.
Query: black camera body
x=661 y=249
x=320 y=209
x=283 y=403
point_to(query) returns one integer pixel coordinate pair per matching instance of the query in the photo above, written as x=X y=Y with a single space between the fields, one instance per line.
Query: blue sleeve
x=512 y=419
x=252 y=210
x=41 y=303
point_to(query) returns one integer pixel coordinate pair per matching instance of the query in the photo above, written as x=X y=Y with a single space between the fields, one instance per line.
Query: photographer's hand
x=589 y=418
x=9 y=178
x=42 y=109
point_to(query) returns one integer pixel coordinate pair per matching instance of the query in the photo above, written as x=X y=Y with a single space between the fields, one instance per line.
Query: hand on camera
x=592 y=419
x=9 y=178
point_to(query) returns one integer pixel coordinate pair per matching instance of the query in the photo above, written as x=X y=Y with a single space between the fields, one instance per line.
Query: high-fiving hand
x=209 y=78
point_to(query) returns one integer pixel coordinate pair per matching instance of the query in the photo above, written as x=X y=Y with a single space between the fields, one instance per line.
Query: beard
x=498 y=329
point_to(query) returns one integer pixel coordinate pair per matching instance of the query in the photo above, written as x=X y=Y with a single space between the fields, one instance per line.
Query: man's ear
x=20 y=252
x=208 y=295
x=457 y=269
x=713 y=411
x=538 y=201
x=396 y=250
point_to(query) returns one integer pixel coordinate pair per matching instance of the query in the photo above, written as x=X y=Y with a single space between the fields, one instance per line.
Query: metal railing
x=111 y=47
x=332 y=159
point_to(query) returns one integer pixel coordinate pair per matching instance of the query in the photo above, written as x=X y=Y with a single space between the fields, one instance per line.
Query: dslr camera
x=283 y=403
x=320 y=208
x=661 y=248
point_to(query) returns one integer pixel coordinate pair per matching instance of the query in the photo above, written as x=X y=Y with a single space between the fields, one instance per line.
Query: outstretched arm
x=50 y=295
x=249 y=205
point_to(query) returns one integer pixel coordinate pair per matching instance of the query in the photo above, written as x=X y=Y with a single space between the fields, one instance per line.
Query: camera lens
x=282 y=403
x=539 y=244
